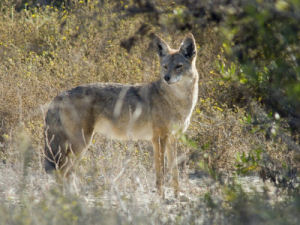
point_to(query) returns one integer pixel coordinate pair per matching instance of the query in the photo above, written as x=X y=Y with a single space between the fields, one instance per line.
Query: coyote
x=155 y=111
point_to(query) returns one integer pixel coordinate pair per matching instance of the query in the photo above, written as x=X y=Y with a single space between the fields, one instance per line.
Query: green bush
x=263 y=39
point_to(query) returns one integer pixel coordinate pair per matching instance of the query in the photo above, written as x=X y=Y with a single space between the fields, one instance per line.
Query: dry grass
x=46 y=51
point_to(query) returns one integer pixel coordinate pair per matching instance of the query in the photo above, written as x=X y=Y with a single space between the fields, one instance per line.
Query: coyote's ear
x=188 y=47
x=161 y=46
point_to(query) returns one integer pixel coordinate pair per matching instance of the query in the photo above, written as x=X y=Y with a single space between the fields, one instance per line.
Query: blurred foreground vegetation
x=239 y=161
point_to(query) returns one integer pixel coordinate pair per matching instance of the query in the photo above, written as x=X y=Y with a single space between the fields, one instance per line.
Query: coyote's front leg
x=159 y=147
x=172 y=163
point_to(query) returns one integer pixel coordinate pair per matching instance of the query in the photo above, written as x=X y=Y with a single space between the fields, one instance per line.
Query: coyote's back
x=154 y=111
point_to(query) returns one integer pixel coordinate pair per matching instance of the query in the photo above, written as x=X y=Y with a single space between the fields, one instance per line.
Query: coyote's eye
x=165 y=67
x=179 y=66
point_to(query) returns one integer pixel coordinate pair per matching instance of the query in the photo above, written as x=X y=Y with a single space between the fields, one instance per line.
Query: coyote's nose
x=167 y=77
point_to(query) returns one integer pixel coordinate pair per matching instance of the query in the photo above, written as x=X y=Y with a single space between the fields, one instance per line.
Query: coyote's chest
x=182 y=106
x=194 y=98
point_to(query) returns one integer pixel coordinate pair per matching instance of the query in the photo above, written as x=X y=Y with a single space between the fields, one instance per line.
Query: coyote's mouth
x=173 y=80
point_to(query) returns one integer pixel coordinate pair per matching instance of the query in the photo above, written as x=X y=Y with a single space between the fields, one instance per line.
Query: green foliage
x=263 y=38
x=257 y=208
x=188 y=141
x=249 y=162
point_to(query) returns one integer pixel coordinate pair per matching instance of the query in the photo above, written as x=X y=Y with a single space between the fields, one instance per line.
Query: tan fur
x=155 y=111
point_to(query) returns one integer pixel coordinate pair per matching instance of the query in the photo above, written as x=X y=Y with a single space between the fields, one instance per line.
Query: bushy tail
x=55 y=140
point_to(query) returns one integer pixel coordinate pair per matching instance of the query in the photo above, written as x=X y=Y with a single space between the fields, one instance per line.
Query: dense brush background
x=239 y=160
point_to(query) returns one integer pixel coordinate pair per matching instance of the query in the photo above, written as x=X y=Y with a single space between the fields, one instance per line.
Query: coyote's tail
x=55 y=140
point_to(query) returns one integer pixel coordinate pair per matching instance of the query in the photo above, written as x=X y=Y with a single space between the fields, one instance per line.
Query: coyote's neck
x=179 y=100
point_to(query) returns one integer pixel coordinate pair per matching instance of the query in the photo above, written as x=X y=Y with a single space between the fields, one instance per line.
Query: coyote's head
x=177 y=65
